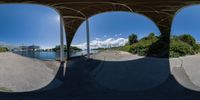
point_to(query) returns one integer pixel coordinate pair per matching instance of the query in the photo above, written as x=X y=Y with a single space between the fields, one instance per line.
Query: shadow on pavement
x=80 y=84
x=133 y=75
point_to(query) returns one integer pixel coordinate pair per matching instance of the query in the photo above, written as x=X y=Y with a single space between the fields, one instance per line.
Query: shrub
x=183 y=45
x=142 y=47
x=179 y=48
x=196 y=48
x=126 y=48
x=158 y=46
x=187 y=38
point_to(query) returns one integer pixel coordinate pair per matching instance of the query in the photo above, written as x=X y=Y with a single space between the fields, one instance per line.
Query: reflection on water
x=50 y=55
x=39 y=54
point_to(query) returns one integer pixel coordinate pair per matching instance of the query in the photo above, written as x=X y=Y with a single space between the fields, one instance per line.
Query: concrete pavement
x=22 y=74
x=127 y=72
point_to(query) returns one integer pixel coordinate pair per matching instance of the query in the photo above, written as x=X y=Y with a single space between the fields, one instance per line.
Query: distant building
x=15 y=49
x=23 y=48
x=28 y=48
x=33 y=48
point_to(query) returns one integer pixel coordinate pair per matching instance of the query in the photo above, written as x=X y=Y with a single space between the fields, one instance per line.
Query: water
x=50 y=55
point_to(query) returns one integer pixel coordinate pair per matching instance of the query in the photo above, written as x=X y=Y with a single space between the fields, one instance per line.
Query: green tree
x=151 y=35
x=132 y=39
x=187 y=38
x=72 y=48
x=3 y=49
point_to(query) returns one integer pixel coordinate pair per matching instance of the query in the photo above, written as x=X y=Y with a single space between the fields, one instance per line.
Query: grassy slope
x=177 y=47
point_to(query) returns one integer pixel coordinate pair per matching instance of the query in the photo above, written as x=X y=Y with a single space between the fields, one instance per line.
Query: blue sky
x=111 y=23
x=187 y=21
x=29 y=24
x=113 y=26
x=107 y=25
x=39 y=25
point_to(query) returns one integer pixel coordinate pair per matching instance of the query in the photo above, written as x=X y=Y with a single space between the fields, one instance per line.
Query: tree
x=187 y=38
x=72 y=48
x=151 y=35
x=132 y=38
x=3 y=49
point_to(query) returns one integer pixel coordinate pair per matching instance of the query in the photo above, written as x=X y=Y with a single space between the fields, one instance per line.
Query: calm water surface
x=50 y=55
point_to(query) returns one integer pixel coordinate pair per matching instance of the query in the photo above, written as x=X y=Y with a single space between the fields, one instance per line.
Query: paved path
x=19 y=74
x=183 y=79
x=189 y=77
x=126 y=72
x=191 y=64
x=80 y=84
x=114 y=55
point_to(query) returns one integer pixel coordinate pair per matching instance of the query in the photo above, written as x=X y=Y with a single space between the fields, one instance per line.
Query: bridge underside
x=75 y=12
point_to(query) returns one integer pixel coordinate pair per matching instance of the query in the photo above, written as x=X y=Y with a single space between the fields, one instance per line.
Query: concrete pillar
x=68 y=50
x=62 y=32
x=88 y=38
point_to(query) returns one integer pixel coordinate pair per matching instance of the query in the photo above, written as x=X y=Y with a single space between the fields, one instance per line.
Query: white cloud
x=116 y=35
x=110 y=42
x=105 y=36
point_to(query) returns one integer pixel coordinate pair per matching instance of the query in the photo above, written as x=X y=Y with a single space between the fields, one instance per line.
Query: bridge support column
x=62 y=69
x=62 y=32
x=88 y=38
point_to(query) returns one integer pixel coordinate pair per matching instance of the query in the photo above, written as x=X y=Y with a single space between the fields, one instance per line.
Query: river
x=50 y=55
